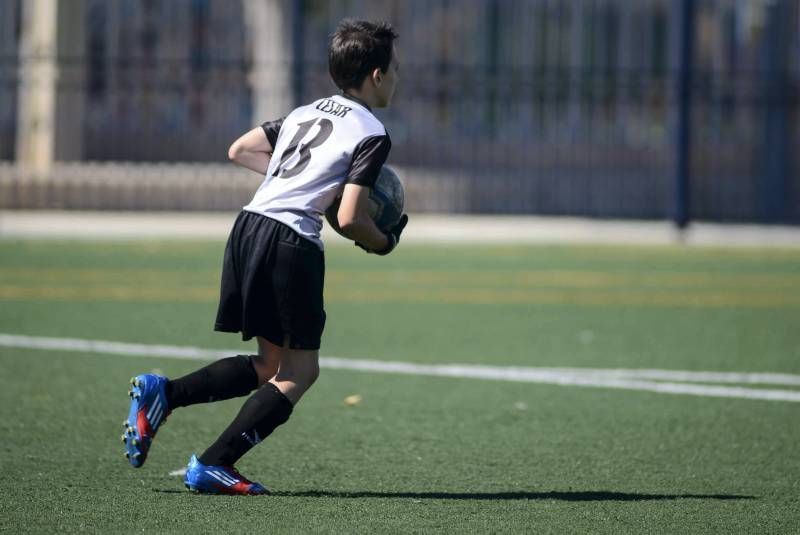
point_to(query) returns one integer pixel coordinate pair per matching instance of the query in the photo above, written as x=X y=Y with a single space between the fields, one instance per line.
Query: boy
x=273 y=268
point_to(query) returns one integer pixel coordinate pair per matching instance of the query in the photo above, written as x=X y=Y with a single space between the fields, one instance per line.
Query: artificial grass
x=419 y=454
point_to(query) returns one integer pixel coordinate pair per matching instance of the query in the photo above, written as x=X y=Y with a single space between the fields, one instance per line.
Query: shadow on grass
x=567 y=496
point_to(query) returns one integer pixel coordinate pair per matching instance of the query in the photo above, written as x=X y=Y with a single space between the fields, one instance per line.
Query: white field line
x=782 y=379
x=660 y=381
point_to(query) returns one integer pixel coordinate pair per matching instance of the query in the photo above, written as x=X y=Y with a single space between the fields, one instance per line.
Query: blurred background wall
x=647 y=109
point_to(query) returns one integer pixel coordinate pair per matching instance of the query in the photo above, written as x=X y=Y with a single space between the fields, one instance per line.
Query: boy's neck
x=359 y=97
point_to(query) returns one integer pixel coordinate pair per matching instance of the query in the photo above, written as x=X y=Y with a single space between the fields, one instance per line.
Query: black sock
x=260 y=415
x=227 y=378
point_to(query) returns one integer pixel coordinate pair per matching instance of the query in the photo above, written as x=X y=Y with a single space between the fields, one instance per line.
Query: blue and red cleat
x=207 y=479
x=148 y=411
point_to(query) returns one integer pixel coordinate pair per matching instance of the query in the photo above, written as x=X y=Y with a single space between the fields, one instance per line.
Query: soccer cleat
x=219 y=480
x=148 y=411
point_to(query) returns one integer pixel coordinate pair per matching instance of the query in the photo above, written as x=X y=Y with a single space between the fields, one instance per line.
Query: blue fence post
x=493 y=60
x=298 y=50
x=683 y=140
x=776 y=143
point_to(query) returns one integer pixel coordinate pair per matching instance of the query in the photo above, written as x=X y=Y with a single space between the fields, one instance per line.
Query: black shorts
x=272 y=282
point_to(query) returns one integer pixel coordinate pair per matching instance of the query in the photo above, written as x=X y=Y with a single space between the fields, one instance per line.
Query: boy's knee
x=307 y=375
x=265 y=368
x=313 y=374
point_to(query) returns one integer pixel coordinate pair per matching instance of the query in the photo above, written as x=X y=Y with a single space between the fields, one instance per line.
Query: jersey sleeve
x=368 y=158
x=271 y=129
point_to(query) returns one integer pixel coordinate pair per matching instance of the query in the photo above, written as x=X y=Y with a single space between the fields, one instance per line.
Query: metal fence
x=504 y=106
x=9 y=62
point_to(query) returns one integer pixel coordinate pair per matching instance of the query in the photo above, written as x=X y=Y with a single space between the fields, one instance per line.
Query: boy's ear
x=377 y=76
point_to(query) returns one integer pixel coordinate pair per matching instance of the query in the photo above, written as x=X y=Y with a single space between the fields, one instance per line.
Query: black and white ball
x=386 y=201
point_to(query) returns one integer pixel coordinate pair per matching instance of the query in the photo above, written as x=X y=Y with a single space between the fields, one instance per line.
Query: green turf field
x=419 y=454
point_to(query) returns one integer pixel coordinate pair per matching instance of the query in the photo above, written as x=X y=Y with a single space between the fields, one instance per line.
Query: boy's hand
x=393 y=237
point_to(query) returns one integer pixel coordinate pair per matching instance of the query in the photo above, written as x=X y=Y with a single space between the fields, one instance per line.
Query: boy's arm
x=253 y=150
x=354 y=219
x=356 y=223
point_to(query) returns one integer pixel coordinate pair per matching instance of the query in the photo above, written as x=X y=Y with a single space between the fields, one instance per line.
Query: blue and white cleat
x=148 y=411
x=219 y=480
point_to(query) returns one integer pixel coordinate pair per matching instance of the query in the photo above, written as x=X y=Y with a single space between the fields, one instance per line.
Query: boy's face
x=388 y=81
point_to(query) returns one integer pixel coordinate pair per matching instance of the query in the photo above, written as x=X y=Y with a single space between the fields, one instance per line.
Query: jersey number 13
x=325 y=129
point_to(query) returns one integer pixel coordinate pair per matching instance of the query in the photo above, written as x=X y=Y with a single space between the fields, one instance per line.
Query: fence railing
x=534 y=106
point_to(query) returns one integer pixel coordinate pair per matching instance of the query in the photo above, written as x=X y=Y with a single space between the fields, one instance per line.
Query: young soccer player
x=273 y=267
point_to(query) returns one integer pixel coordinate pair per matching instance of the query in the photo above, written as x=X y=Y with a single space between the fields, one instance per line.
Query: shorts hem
x=274 y=339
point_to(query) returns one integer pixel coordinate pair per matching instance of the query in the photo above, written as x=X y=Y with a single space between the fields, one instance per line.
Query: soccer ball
x=386 y=199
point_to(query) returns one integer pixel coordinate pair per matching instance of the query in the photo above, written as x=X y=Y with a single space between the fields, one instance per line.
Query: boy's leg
x=154 y=396
x=224 y=379
x=298 y=370
x=276 y=290
x=270 y=406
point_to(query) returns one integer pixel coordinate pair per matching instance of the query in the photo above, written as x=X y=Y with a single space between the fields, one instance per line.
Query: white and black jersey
x=316 y=150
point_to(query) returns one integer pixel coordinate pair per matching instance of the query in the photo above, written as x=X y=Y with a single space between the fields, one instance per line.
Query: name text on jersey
x=334 y=108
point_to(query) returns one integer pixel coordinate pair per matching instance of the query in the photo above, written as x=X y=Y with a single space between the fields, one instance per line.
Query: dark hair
x=357 y=48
